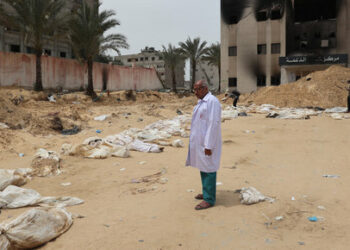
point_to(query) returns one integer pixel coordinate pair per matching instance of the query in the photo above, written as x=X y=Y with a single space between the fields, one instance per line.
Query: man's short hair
x=203 y=83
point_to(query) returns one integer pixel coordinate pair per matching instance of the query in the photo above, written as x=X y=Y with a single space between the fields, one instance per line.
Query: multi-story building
x=150 y=58
x=209 y=73
x=282 y=43
x=12 y=41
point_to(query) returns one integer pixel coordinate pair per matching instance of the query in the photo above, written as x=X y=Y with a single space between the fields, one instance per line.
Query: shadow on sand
x=227 y=198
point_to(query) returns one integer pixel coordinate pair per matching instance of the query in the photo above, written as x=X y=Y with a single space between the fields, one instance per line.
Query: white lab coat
x=205 y=134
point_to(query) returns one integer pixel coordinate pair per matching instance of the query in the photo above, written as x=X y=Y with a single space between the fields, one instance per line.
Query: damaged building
x=266 y=43
x=149 y=57
x=12 y=41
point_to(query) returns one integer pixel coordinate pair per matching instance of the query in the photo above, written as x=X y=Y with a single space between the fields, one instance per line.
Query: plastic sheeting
x=34 y=228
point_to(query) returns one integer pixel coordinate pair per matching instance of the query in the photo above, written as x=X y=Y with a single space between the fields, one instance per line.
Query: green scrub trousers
x=209 y=187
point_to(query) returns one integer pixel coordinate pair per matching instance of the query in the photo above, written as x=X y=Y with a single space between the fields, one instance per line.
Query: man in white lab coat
x=205 y=142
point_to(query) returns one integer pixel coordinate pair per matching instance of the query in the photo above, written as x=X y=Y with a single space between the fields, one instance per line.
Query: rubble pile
x=325 y=89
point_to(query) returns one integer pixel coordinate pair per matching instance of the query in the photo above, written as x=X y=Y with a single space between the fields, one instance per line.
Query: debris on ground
x=178 y=143
x=17 y=177
x=16 y=197
x=251 y=196
x=46 y=163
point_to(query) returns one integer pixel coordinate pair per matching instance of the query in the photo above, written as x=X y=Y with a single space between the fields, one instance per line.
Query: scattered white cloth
x=3 y=126
x=336 y=110
x=251 y=196
x=178 y=143
x=101 y=117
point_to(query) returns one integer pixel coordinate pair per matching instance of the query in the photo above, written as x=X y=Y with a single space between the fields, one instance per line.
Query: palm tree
x=194 y=50
x=87 y=29
x=172 y=58
x=37 y=20
x=212 y=56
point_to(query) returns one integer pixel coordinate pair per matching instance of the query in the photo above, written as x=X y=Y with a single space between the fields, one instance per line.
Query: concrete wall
x=18 y=69
x=155 y=61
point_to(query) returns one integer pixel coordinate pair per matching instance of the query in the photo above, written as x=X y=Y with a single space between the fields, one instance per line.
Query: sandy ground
x=282 y=159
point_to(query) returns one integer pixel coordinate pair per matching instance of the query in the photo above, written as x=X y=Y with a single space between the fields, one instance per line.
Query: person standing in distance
x=204 y=149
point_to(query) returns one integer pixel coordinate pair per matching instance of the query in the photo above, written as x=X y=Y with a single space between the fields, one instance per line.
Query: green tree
x=87 y=29
x=212 y=56
x=172 y=57
x=194 y=50
x=38 y=21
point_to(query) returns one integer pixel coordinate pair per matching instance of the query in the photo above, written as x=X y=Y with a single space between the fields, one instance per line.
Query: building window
x=15 y=48
x=232 y=82
x=160 y=58
x=129 y=59
x=153 y=58
x=232 y=51
x=63 y=54
x=261 y=49
x=275 y=48
x=47 y=52
x=276 y=14
x=141 y=59
x=275 y=80
x=30 y=50
x=136 y=59
x=261 y=81
x=261 y=16
x=146 y=58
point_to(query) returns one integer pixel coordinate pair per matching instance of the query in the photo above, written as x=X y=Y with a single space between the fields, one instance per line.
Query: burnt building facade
x=263 y=45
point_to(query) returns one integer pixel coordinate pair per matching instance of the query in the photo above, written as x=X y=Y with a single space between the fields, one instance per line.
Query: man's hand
x=207 y=152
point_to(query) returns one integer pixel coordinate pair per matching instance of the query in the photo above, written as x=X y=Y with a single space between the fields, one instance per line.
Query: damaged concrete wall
x=18 y=69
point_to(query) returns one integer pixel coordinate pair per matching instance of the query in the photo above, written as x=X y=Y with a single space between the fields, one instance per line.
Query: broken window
x=311 y=10
x=129 y=59
x=275 y=80
x=275 y=48
x=63 y=54
x=261 y=49
x=232 y=51
x=15 y=48
x=153 y=58
x=261 y=81
x=141 y=59
x=232 y=82
x=276 y=12
x=261 y=16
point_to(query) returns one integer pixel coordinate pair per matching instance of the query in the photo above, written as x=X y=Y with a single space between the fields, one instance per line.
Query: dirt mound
x=22 y=109
x=324 y=89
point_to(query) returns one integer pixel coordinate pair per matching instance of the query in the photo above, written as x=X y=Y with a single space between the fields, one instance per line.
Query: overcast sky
x=154 y=23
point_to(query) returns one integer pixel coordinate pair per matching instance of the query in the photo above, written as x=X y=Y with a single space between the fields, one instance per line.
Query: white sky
x=154 y=23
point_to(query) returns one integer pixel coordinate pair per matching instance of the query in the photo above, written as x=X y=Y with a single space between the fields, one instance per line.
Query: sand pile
x=324 y=89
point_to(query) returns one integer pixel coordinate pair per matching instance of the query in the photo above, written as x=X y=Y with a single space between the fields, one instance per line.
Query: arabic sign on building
x=303 y=60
